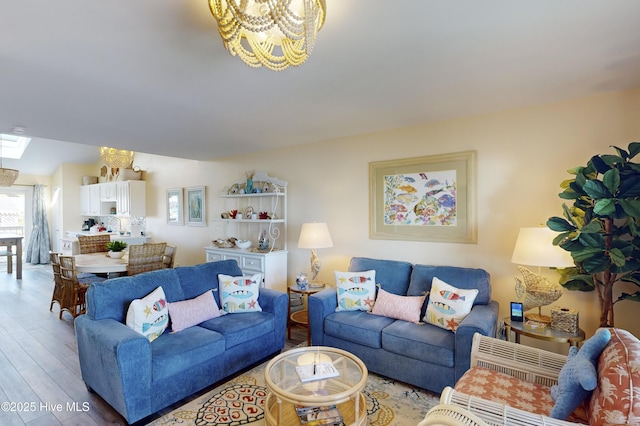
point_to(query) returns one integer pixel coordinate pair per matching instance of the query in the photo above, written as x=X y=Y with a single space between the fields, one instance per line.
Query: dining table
x=100 y=263
x=8 y=241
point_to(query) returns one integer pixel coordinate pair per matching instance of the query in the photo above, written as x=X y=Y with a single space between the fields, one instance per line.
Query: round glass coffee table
x=286 y=390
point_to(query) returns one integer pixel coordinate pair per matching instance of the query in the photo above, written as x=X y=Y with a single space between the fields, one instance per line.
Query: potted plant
x=602 y=228
x=116 y=249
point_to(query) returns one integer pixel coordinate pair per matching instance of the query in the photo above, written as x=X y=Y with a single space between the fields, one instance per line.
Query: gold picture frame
x=431 y=198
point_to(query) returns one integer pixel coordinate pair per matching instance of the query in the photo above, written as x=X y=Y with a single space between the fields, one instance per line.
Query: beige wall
x=523 y=156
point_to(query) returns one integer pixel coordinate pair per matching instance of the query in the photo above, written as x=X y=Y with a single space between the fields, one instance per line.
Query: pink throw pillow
x=187 y=313
x=406 y=308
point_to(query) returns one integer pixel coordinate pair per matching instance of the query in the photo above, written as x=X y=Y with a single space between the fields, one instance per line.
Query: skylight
x=13 y=146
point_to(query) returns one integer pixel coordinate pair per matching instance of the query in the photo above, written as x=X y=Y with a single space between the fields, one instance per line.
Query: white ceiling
x=153 y=75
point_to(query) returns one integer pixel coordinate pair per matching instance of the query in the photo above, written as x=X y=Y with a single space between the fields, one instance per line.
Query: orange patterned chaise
x=510 y=384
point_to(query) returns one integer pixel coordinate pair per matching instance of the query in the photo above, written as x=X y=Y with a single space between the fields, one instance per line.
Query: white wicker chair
x=450 y=415
x=524 y=362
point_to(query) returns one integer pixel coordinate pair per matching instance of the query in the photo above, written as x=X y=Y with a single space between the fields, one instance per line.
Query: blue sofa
x=420 y=354
x=137 y=377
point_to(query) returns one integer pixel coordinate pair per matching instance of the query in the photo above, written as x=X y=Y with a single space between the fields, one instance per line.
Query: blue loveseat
x=137 y=377
x=420 y=354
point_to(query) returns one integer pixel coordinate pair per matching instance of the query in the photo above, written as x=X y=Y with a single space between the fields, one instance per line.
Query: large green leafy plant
x=602 y=228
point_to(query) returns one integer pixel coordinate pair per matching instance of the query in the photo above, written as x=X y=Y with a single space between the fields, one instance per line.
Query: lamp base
x=316 y=284
x=545 y=319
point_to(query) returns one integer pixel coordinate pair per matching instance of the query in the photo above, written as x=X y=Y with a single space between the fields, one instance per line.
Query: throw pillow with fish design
x=356 y=290
x=448 y=305
x=240 y=294
x=149 y=316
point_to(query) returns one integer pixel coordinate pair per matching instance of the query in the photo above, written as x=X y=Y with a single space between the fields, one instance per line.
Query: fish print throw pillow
x=448 y=305
x=149 y=316
x=356 y=290
x=240 y=294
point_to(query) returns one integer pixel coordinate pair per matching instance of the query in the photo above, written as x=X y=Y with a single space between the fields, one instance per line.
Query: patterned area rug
x=241 y=402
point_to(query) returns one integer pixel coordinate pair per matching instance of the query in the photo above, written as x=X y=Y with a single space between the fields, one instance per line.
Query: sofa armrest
x=482 y=319
x=115 y=361
x=495 y=412
x=320 y=305
x=524 y=362
x=275 y=302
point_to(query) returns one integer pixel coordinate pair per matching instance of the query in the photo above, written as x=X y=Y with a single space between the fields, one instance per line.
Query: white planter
x=116 y=254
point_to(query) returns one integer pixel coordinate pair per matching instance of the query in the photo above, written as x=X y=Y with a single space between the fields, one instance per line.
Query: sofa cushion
x=448 y=306
x=197 y=279
x=463 y=278
x=406 y=308
x=356 y=290
x=237 y=330
x=423 y=342
x=392 y=275
x=149 y=315
x=187 y=313
x=173 y=353
x=357 y=327
x=616 y=400
x=110 y=299
x=508 y=390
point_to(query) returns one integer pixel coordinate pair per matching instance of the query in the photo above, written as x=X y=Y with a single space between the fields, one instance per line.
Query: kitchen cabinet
x=269 y=204
x=90 y=200
x=126 y=198
x=131 y=198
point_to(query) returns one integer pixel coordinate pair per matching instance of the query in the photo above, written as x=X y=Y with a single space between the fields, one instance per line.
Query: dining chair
x=146 y=257
x=169 y=258
x=56 y=297
x=93 y=243
x=74 y=287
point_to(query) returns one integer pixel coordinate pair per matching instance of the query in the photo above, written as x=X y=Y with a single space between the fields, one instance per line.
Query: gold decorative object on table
x=534 y=247
x=565 y=319
x=536 y=291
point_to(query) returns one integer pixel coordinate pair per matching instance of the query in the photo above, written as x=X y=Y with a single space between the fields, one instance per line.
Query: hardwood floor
x=40 y=381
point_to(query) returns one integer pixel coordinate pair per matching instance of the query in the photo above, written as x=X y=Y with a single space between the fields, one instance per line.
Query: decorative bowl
x=228 y=243
x=243 y=244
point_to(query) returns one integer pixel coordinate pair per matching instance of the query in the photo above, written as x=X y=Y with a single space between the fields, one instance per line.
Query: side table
x=300 y=317
x=547 y=333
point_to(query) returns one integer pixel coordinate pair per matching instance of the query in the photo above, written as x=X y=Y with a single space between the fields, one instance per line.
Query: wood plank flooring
x=40 y=381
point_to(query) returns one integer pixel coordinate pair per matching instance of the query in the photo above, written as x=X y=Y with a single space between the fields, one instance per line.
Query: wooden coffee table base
x=290 y=417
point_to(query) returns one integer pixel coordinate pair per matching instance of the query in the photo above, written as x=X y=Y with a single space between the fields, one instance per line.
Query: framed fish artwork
x=428 y=198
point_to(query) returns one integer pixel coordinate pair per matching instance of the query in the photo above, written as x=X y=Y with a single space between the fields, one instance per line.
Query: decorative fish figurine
x=537 y=290
x=347 y=303
x=451 y=295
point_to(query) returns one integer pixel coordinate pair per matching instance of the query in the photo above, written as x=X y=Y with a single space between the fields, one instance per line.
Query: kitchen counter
x=69 y=245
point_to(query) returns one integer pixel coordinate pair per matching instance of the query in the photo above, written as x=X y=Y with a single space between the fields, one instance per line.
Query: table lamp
x=314 y=236
x=534 y=247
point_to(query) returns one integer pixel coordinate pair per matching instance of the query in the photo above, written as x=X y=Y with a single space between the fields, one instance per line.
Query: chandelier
x=273 y=33
x=116 y=158
x=7 y=176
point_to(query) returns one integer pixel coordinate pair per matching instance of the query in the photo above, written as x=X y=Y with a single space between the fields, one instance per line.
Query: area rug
x=241 y=402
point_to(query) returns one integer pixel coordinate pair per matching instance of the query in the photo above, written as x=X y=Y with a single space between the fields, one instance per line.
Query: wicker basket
x=564 y=319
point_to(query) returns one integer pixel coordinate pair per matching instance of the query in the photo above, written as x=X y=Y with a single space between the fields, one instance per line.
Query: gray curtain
x=38 y=249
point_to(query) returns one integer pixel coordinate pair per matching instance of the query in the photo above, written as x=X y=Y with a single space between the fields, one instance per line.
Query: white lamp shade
x=534 y=247
x=314 y=236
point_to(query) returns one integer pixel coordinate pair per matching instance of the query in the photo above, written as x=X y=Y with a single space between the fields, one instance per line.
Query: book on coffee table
x=316 y=416
x=316 y=371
